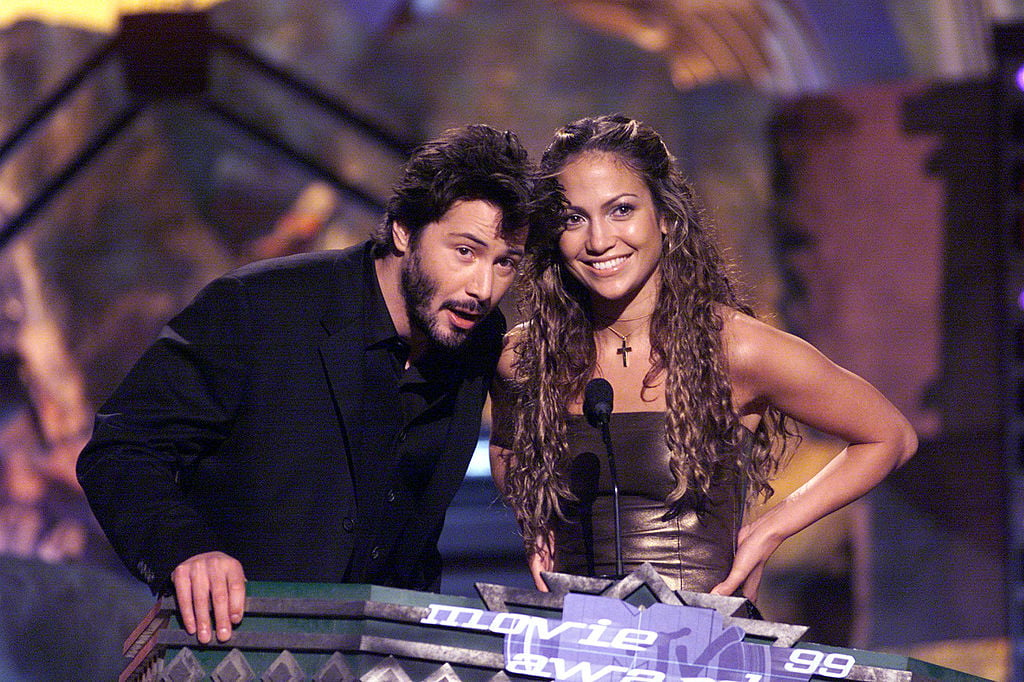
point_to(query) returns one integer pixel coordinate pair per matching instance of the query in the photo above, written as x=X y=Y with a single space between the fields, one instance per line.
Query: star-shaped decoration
x=641 y=587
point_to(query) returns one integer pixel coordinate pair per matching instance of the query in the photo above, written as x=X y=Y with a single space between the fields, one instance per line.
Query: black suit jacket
x=235 y=430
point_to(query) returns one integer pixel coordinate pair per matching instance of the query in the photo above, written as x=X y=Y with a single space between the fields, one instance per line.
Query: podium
x=580 y=630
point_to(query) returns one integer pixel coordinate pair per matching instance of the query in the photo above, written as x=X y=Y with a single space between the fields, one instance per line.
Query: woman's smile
x=609 y=265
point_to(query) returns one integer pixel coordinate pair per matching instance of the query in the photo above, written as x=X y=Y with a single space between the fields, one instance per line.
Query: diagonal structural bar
x=310 y=92
x=264 y=136
x=46 y=107
x=70 y=170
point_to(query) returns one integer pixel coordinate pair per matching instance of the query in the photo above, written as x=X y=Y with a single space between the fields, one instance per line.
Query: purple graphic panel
x=609 y=640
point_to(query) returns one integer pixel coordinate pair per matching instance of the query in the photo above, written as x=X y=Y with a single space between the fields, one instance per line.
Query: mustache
x=468 y=305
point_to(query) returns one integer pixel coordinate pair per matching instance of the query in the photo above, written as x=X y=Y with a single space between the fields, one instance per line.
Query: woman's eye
x=622 y=209
x=573 y=220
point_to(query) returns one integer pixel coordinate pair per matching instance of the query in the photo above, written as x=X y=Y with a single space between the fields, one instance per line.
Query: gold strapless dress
x=691 y=547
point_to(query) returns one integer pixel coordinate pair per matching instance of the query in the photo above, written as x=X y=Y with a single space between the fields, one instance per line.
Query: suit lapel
x=341 y=352
x=346 y=380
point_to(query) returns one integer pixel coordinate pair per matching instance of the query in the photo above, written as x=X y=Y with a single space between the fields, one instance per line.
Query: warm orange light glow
x=95 y=15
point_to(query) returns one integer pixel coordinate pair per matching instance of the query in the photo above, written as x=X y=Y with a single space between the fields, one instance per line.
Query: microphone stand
x=607 y=437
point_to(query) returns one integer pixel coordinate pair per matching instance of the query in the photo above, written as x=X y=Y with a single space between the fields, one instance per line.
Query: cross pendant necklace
x=624 y=349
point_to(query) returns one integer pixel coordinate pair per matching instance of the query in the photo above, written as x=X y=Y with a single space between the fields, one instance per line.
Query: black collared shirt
x=398 y=461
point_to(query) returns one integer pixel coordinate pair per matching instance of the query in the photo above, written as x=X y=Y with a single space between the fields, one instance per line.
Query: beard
x=419 y=290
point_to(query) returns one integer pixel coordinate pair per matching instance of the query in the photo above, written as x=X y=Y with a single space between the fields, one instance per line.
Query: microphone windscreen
x=597 y=401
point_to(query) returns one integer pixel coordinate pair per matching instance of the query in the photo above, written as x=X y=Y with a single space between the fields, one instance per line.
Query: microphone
x=597 y=402
x=584 y=482
x=584 y=477
x=597 y=406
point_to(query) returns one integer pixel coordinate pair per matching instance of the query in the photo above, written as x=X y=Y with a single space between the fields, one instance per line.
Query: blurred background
x=861 y=161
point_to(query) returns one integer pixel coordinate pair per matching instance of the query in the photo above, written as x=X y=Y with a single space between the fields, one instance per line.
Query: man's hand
x=210 y=581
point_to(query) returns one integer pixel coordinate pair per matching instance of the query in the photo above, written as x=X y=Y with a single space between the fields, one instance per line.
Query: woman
x=631 y=288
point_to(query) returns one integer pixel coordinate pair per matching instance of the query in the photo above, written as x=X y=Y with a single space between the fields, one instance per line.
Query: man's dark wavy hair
x=473 y=162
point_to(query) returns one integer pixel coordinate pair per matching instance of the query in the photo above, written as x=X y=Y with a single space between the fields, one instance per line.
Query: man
x=310 y=418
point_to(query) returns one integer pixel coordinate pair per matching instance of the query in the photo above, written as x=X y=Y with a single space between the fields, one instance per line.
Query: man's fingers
x=212 y=580
x=201 y=599
x=219 y=595
x=228 y=590
x=236 y=593
x=183 y=592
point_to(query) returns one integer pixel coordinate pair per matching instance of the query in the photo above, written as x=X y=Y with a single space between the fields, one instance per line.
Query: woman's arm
x=502 y=419
x=771 y=367
x=502 y=456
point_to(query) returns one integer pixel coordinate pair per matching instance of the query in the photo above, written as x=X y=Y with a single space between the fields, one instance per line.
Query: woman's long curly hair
x=556 y=354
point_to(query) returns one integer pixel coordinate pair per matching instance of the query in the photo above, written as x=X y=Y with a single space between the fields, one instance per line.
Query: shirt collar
x=378 y=328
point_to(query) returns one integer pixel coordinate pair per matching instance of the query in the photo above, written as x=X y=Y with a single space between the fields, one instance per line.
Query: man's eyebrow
x=513 y=250
x=470 y=236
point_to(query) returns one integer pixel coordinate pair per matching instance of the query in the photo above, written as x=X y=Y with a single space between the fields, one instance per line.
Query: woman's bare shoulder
x=751 y=348
x=510 y=345
x=743 y=336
